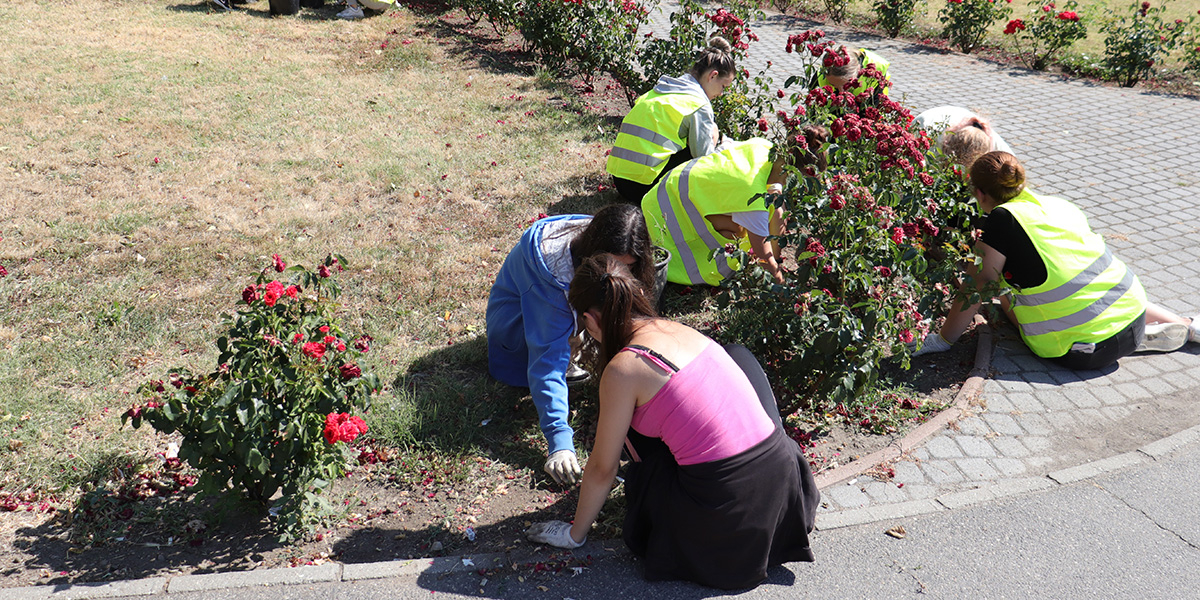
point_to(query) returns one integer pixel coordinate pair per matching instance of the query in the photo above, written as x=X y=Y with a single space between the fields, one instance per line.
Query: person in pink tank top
x=716 y=493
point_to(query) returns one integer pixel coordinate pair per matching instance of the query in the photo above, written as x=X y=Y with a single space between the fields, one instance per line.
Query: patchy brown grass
x=155 y=155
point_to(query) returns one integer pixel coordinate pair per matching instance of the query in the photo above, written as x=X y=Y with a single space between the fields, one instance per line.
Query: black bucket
x=285 y=7
x=662 y=257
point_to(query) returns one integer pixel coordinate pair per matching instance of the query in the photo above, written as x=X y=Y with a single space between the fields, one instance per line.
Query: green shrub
x=877 y=240
x=1134 y=43
x=894 y=15
x=269 y=418
x=966 y=22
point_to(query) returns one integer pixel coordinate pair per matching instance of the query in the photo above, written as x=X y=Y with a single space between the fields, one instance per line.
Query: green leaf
x=257 y=461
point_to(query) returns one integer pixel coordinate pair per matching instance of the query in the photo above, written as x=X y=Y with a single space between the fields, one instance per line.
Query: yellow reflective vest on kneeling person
x=867 y=57
x=717 y=184
x=1088 y=296
x=649 y=135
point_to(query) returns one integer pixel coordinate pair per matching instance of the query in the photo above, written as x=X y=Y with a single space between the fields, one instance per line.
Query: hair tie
x=604 y=278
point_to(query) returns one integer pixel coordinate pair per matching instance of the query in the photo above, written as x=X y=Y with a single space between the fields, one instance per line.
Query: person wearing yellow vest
x=671 y=123
x=707 y=203
x=838 y=75
x=1072 y=300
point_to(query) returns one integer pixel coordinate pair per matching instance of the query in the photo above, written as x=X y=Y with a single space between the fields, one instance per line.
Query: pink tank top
x=707 y=411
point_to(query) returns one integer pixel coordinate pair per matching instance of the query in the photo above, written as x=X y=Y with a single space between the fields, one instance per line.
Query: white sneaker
x=1164 y=337
x=575 y=374
x=351 y=13
x=1194 y=330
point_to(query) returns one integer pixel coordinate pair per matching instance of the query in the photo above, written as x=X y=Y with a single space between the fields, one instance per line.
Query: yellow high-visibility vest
x=1088 y=295
x=649 y=135
x=719 y=183
x=865 y=83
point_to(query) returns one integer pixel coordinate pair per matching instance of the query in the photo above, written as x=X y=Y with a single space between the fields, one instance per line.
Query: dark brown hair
x=716 y=57
x=999 y=175
x=815 y=136
x=605 y=284
x=618 y=229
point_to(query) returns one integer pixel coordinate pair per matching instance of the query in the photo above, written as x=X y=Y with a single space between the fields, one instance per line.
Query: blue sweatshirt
x=530 y=323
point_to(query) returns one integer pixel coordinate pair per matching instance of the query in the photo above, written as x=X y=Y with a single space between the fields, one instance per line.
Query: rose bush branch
x=272 y=414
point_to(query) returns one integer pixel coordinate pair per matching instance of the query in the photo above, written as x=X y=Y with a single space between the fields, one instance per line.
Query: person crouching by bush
x=709 y=202
x=1072 y=300
x=961 y=134
x=670 y=124
x=530 y=324
x=716 y=493
x=848 y=65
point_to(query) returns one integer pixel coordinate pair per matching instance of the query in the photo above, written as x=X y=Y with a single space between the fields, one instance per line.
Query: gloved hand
x=934 y=342
x=563 y=466
x=555 y=533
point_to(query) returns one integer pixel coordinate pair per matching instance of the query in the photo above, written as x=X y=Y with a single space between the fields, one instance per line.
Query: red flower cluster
x=1068 y=15
x=341 y=427
x=271 y=293
x=1014 y=26
x=733 y=28
x=314 y=350
x=814 y=245
x=810 y=37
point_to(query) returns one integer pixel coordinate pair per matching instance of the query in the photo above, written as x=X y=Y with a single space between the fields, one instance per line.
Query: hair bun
x=719 y=44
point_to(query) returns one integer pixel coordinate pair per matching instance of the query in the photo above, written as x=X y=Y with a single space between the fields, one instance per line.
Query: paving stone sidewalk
x=1125 y=157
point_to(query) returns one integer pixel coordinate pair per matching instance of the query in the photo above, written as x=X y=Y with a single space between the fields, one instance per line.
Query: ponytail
x=603 y=283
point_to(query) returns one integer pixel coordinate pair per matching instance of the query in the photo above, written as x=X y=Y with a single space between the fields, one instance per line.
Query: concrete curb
x=1012 y=487
x=969 y=393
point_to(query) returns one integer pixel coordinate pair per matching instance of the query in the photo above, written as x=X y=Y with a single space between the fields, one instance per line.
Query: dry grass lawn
x=156 y=154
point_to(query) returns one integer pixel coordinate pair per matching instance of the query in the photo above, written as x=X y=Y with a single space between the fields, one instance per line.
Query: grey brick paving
x=1123 y=156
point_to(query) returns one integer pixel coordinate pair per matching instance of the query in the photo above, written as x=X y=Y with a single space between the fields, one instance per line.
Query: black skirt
x=722 y=523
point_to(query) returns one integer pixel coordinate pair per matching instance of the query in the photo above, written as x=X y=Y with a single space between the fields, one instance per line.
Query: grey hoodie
x=700 y=127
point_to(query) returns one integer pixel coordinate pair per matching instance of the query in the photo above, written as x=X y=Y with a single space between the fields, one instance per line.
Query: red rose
x=272 y=293
x=363 y=344
x=329 y=339
x=1068 y=15
x=296 y=338
x=291 y=291
x=279 y=264
x=884 y=271
x=350 y=371
x=323 y=329
x=898 y=235
x=323 y=271
x=762 y=124
x=3 y=271
x=906 y=336
x=780 y=93
x=314 y=350
x=250 y=294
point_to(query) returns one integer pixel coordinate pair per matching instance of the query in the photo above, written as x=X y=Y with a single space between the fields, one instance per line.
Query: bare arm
x=617 y=401
x=960 y=316
x=765 y=254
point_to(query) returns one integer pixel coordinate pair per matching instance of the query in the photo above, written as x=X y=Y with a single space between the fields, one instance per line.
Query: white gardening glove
x=563 y=466
x=554 y=533
x=934 y=342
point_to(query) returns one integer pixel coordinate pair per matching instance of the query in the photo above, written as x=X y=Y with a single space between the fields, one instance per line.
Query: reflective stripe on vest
x=1089 y=313
x=698 y=222
x=650 y=136
x=1071 y=287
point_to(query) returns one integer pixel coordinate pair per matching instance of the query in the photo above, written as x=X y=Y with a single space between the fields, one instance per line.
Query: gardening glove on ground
x=563 y=466
x=555 y=533
x=934 y=342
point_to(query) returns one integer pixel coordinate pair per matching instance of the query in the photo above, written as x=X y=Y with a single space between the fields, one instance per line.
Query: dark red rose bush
x=260 y=423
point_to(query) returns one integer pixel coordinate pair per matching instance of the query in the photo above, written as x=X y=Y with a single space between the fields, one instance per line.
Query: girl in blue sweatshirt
x=530 y=323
